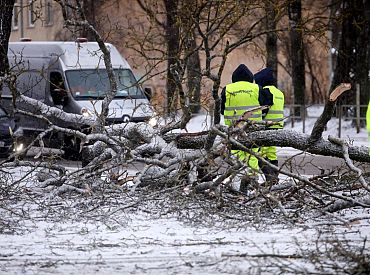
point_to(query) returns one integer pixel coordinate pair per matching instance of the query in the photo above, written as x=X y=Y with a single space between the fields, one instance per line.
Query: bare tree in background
x=193 y=68
x=194 y=76
x=271 y=37
x=172 y=40
x=6 y=13
x=297 y=53
x=90 y=8
x=180 y=36
x=351 y=25
x=208 y=29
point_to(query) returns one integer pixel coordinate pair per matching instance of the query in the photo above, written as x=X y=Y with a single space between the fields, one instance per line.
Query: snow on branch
x=53 y=112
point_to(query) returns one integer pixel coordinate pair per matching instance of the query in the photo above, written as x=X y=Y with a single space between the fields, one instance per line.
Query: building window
x=15 y=18
x=48 y=12
x=31 y=13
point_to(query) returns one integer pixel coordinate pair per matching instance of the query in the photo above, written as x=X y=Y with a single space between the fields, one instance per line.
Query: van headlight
x=86 y=112
x=153 y=121
x=18 y=147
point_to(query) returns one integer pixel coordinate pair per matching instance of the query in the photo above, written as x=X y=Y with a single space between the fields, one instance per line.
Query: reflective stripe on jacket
x=276 y=111
x=241 y=96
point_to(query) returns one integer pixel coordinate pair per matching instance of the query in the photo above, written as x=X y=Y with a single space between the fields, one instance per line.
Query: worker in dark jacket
x=275 y=114
x=236 y=98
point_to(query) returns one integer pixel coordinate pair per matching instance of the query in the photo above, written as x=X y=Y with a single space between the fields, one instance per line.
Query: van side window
x=32 y=84
x=57 y=88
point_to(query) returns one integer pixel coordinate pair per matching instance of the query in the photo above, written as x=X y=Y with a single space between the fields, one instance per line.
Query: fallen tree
x=200 y=161
x=172 y=159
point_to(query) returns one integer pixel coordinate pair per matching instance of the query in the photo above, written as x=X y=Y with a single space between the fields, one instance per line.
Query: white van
x=72 y=76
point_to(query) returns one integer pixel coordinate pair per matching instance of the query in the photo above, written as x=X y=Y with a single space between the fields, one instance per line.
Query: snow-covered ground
x=138 y=244
x=50 y=237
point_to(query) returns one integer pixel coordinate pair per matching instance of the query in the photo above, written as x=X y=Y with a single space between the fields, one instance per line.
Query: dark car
x=8 y=127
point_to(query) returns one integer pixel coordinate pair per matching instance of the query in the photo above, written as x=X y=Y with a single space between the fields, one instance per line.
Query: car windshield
x=94 y=84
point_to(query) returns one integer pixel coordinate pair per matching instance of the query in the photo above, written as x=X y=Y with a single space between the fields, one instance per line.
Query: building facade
x=36 y=20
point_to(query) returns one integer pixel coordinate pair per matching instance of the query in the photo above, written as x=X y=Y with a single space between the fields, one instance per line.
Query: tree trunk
x=353 y=52
x=6 y=14
x=344 y=60
x=172 y=39
x=271 y=39
x=297 y=54
x=362 y=51
x=194 y=76
x=89 y=8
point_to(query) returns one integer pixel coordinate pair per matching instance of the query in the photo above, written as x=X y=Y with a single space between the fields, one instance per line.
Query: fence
x=342 y=113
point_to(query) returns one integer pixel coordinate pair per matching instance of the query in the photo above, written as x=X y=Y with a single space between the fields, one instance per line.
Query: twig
x=349 y=161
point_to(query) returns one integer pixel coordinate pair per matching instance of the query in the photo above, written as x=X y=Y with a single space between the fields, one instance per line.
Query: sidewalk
x=288 y=151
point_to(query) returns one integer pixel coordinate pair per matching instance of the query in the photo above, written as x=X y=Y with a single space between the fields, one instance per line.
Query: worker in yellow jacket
x=275 y=114
x=236 y=98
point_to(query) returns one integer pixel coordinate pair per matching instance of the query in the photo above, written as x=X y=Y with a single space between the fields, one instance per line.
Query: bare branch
x=327 y=114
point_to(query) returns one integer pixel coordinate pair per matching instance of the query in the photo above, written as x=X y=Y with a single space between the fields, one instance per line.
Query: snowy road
x=309 y=164
x=142 y=246
x=137 y=244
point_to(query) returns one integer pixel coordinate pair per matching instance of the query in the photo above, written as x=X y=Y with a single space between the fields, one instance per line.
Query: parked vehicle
x=9 y=132
x=72 y=76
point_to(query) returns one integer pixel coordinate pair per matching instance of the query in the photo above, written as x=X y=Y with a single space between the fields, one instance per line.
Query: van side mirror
x=148 y=93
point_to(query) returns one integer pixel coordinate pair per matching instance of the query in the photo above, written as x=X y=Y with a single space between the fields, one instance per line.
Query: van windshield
x=94 y=84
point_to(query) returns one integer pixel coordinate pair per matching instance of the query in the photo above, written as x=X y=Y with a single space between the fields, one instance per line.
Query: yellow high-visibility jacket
x=241 y=96
x=276 y=111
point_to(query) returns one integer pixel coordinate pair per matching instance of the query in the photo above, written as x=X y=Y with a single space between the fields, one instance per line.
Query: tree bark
x=271 y=38
x=194 y=76
x=344 y=51
x=89 y=7
x=297 y=54
x=362 y=51
x=172 y=40
x=353 y=52
x=6 y=14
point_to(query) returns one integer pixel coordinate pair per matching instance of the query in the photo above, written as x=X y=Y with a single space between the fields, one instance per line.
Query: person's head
x=242 y=73
x=265 y=77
